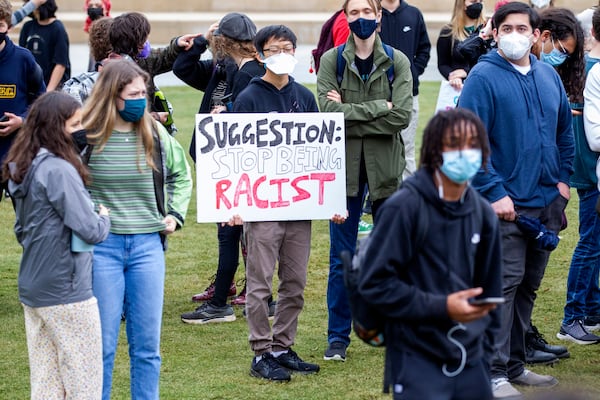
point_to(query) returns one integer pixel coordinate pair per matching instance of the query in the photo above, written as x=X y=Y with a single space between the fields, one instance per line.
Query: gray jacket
x=50 y=203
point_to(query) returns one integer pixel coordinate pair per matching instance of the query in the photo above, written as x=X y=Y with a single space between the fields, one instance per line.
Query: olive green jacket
x=371 y=128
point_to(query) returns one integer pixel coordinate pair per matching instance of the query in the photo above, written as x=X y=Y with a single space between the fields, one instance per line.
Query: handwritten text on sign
x=270 y=167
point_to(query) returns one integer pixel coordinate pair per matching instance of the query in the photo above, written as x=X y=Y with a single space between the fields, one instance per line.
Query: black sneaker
x=534 y=356
x=291 y=361
x=592 y=323
x=535 y=340
x=575 y=332
x=269 y=368
x=336 y=351
x=208 y=313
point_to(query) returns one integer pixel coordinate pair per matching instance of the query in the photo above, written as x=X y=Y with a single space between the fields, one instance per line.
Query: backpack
x=367 y=323
x=325 y=41
x=341 y=63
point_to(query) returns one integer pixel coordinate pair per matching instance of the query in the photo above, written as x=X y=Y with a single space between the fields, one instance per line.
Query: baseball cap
x=236 y=26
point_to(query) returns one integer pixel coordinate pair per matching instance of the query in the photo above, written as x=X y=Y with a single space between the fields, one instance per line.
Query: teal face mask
x=555 y=57
x=461 y=165
x=133 y=109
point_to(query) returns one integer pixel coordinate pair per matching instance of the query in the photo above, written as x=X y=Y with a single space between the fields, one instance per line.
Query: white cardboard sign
x=270 y=166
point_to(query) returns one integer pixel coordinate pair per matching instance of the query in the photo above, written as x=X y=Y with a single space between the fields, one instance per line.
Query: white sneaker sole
x=229 y=318
x=337 y=357
x=572 y=339
x=592 y=328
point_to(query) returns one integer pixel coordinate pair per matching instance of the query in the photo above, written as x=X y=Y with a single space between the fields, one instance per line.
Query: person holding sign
x=286 y=242
x=52 y=208
x=377 y=105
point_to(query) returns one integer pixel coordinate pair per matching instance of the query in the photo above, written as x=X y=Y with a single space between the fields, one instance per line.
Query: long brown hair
x=45 y=126
x=100 y=110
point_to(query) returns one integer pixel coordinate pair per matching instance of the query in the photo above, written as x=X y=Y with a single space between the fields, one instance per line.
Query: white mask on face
x=540 y=3
x=514 y=45
x=281 y=64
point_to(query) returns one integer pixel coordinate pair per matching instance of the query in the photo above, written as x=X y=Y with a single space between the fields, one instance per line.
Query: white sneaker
x=530 y=378
x=502 y=389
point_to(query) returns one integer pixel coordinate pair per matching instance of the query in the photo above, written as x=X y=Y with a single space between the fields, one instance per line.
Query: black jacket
x=409 y=282
x=405 y=30
x=261 y=96
x=205 y=75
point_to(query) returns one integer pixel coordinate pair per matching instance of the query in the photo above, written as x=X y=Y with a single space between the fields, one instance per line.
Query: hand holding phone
x=486 y=300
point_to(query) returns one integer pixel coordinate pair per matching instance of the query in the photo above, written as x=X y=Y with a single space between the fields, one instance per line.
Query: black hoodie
x=409 y=282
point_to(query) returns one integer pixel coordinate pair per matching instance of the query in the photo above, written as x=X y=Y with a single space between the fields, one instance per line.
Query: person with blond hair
x=140 y=172
x=467 y=19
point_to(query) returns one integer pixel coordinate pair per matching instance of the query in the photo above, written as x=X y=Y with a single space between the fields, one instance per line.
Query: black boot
x=535 y=341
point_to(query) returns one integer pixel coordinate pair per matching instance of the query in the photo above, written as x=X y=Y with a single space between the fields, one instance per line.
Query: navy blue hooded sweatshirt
x=261 y=96
x=528 y=120
x=409 y=282
x=18 y=73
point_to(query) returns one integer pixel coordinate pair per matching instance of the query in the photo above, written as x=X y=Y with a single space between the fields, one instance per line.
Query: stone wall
x=305 y=17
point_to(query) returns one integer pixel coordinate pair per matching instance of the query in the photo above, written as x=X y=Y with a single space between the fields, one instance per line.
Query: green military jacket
x=372 y=130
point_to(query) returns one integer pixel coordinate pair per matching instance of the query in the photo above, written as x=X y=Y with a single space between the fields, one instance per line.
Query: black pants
x=418 y=377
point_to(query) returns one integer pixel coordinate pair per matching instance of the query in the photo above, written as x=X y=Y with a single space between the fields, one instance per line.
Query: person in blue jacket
x=525 y=109
x=21 y=82
x=422 y=287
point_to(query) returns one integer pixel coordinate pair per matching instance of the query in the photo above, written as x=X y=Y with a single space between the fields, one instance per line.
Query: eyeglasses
x=562 y=48
x=276 y=49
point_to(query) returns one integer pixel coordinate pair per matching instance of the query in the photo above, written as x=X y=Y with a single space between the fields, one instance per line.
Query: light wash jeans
x=583 y=294
x=129 y=277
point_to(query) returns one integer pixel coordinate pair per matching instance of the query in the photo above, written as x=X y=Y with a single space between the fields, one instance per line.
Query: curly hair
x=128 y=33
x=459 y=121
x=99 y=44
x=45 y=126
x=223 y=47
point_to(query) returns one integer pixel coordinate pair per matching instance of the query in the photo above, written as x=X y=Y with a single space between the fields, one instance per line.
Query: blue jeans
x=129 y=276
x=583 y=295
x=343 y=237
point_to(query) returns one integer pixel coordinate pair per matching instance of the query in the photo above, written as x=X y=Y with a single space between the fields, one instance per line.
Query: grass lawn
x=212 y=361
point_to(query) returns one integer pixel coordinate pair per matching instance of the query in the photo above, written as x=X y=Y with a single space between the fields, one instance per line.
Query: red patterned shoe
x=240 y=300
x=209 y=292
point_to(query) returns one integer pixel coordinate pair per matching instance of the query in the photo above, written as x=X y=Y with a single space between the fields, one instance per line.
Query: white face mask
x=514 y=45
x=281 y=64
x=540 y=3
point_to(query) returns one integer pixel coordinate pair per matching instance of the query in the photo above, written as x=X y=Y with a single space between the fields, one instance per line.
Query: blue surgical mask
x=145 y=52
x=133 y=110
x=461 y=165
x=363 y=28
x=554 y=58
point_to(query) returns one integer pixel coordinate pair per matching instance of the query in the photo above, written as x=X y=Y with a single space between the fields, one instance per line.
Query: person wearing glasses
x=561 y=45
x=286 y=243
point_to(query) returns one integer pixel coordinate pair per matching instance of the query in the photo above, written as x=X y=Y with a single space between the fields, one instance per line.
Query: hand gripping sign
x=270 y=166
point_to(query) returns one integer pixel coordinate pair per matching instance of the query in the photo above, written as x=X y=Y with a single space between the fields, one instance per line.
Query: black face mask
x=2 y=37
x=95 y=13
x=79 y=139
x=474 y=10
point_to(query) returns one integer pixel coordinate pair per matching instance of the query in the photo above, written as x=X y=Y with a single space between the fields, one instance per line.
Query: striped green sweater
x=122 y=181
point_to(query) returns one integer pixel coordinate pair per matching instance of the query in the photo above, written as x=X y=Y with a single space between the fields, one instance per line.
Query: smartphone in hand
x=486 y=300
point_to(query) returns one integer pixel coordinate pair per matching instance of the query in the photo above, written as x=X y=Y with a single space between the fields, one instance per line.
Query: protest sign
x=447 y=97
x=270 y=166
